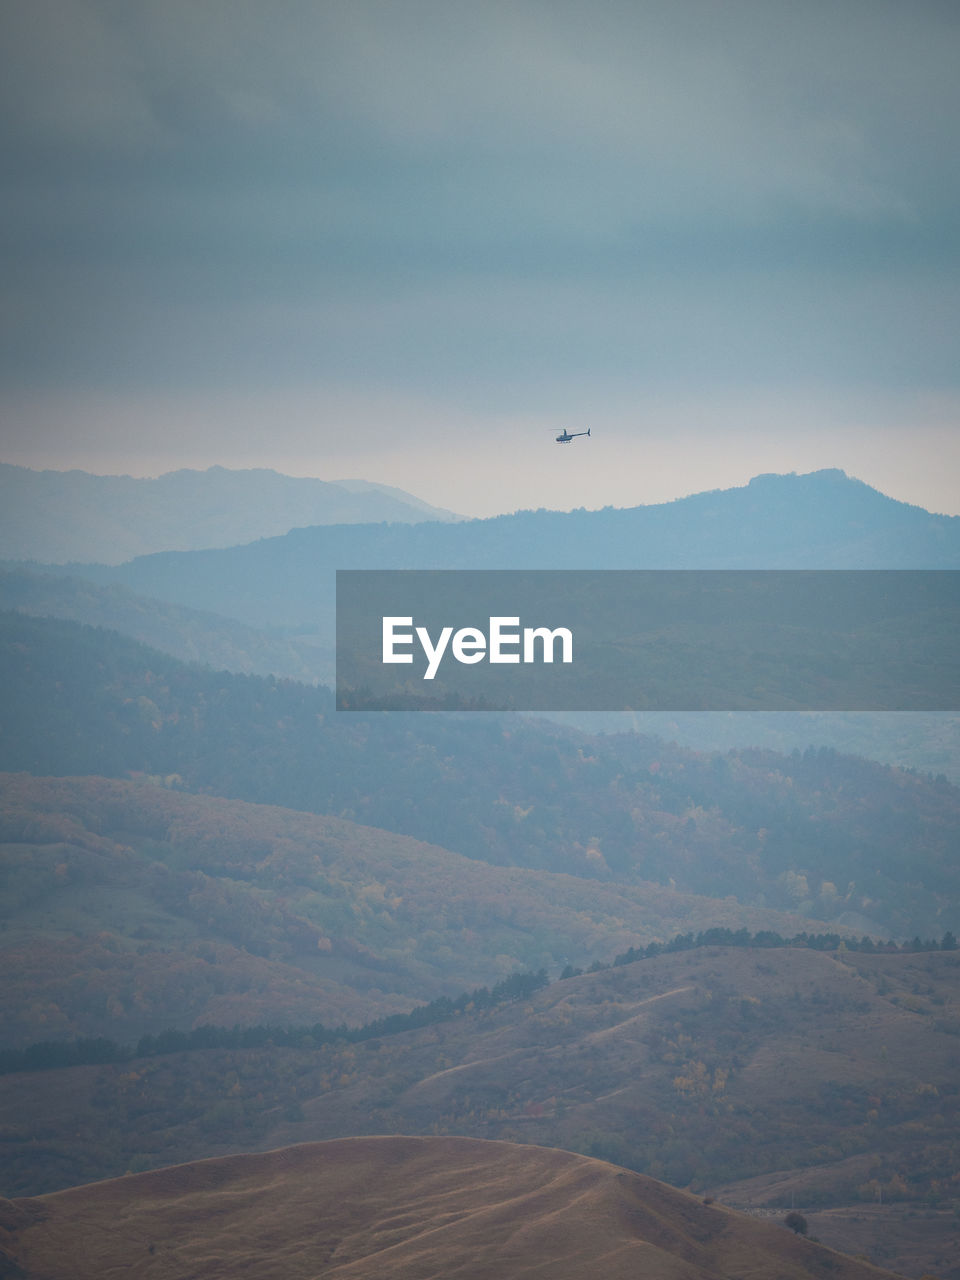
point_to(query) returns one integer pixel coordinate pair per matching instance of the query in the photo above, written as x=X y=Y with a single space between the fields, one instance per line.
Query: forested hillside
x=127 y=909
x=927 y=741
x=833 y=837
x=192 y=635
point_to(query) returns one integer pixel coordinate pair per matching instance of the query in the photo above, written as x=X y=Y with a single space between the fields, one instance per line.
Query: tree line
x=98 y=1050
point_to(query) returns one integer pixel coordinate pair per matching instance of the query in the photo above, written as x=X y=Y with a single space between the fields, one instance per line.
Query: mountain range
x=282 y=588
x=212 y=859
x=824 y=520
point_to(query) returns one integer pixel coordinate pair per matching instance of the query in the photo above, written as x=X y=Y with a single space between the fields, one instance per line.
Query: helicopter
x=566 y=436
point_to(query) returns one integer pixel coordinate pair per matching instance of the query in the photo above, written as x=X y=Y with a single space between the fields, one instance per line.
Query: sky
x=412 y=240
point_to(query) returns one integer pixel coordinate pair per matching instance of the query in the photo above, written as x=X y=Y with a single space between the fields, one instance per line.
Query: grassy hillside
x=399 y=1209
x=758 y=1076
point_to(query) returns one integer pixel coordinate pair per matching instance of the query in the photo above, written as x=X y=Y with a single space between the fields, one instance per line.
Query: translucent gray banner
x=648 y=640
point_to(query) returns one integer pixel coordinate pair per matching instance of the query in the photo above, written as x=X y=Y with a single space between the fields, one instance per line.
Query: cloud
x=749 y=101
x=500 y=206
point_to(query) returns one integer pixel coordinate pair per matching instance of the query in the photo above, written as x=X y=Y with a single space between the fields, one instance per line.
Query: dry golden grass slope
x=399 y=1208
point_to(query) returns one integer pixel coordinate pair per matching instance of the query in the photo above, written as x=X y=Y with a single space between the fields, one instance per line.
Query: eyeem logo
x=470 y=645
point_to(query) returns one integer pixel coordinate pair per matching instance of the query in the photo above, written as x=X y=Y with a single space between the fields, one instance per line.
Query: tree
x=796 y=1222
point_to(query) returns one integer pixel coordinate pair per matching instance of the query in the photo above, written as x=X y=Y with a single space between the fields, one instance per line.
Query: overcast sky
x=410 y=241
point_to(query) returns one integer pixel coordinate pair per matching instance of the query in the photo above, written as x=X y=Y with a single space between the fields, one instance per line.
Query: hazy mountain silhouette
x=60 y=515
x=824 y=520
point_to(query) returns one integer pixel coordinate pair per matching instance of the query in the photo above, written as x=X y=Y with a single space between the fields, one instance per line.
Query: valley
x=233 y=920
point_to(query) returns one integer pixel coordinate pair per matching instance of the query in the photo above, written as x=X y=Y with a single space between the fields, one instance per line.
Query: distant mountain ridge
x=200 y=606
x=824 y=520
x=59 y=515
